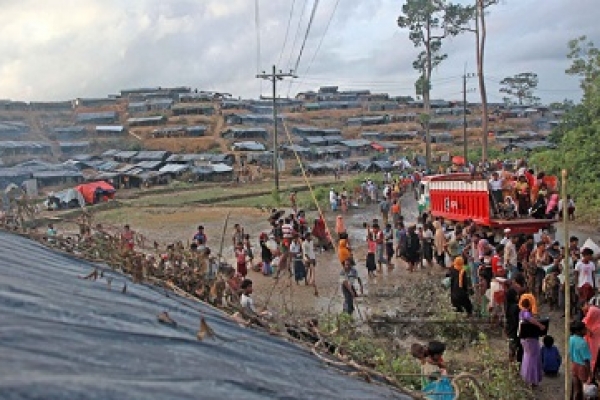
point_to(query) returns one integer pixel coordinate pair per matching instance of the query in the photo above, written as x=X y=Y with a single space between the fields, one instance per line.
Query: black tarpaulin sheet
x=62 y=337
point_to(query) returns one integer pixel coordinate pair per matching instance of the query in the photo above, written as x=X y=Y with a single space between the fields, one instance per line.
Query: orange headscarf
x=532 y=302
x=459 y=265
x=592 y=323
x=343 y=251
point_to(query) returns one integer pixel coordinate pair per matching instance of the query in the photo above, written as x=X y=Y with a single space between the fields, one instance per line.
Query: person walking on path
x=413 y=248
x=439 y=244
x=348 y=277
x=459 y=287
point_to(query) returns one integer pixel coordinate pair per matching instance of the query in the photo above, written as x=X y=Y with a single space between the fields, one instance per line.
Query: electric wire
x=297 y=35
x=287 y=31
x=257 y=29
x=306 y=33
x=318 y=47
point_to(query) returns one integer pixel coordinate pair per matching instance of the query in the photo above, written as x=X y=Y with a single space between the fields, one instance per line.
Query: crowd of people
x=506 y=280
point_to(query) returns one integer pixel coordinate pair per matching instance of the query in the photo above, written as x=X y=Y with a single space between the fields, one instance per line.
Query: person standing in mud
x=293 y=203
x=413 y=248
x=459 y=287
x=127 y=238
x=238 y=235
x=379 y=238
x=384 y=207
x=240 y=257
x=389 y=245
x=348 y=277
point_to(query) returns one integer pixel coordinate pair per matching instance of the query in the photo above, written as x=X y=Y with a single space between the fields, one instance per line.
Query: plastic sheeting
x=62 y=337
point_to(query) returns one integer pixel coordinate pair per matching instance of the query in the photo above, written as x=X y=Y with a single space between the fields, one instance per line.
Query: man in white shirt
x=510 y=256
x=247 y=303
x=506 y=237
x=310 y=260
x=496 y=189
x=333 y=199
x=585 y=271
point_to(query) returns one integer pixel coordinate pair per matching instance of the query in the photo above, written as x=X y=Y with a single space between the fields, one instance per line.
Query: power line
x=289 y=63
x=374 y=82
x=319 y=46
x=307 y=32
x=257 y=29
x=287 y=31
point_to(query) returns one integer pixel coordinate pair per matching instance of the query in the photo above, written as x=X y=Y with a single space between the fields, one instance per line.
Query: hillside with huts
x=152 y=136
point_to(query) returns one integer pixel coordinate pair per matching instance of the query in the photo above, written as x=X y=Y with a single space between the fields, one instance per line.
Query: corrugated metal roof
x=125 y=154
x=250 y=146
x=125 y=168
x=173 y=168
x=157 y=155
x=74 y=144
x=148 y=164
x=356 y=143
x=85 y=116
x=57 y=174
x=9 y=144
x=220 y=168
x=156 y=118
x=110 y=153
x=110 y=128
x=69 y=129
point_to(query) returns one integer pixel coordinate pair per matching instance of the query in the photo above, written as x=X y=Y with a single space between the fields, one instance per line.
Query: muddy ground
x=395 y=291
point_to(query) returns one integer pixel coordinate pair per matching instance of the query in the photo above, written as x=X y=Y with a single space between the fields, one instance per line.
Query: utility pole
x=465 y=141
x=275 y=76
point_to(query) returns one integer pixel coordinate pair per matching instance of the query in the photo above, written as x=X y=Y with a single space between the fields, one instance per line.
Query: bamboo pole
x=567 y=277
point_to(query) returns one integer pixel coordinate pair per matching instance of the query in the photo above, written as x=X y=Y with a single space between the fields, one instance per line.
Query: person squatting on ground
x=551 y=359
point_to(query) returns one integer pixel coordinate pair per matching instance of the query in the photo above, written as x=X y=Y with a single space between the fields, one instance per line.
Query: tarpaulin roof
x=68 y=338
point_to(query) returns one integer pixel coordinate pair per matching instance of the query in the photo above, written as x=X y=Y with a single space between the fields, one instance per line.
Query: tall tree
x=522 y=86
x=429 y=22
x=480 y=37
x=578 y=132
x=585 y=58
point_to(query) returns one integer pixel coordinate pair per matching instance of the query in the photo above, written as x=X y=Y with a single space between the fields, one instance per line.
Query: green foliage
x=276 y=197
x=522 y=86
x=578 y=147
x=499 y=380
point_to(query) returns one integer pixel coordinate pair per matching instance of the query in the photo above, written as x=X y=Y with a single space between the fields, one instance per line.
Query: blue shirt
x=579 y=350
x=551 y=359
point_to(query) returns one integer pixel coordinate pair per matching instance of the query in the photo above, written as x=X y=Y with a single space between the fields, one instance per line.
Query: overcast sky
x=63 y=49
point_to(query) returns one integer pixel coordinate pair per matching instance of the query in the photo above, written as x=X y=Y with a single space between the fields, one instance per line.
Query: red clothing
x=497 y=269
x=530 y=179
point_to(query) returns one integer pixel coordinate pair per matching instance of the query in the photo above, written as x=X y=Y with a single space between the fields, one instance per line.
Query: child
x=248 y=248
x=580 y=358
x=551 y=358
x=551 y=287
x=432 y=362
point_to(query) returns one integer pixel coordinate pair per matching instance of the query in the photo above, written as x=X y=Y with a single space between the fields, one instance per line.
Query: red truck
x=460 y=197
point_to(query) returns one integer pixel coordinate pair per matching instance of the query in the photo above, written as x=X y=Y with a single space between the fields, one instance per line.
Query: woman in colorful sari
x=592 y=337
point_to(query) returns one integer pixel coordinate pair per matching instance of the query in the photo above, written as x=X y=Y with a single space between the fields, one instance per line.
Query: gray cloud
x=66 y=49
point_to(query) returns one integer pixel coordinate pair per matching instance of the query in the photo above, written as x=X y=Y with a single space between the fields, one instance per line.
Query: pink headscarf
x=552 y=203
x=592 y=323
